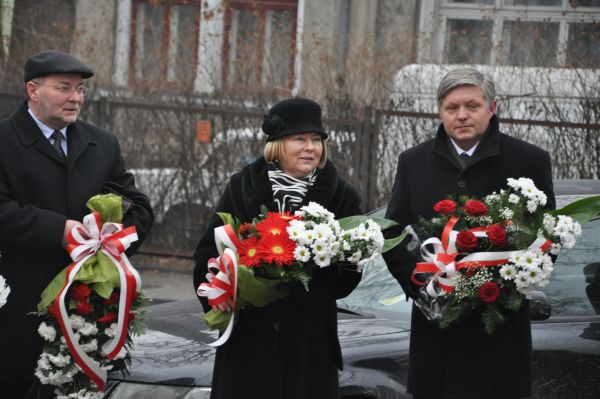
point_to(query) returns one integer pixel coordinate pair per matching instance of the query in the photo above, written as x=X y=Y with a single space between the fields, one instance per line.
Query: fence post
x=368 y=158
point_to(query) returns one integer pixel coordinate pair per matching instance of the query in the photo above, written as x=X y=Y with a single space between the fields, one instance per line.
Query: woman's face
x=301 y=154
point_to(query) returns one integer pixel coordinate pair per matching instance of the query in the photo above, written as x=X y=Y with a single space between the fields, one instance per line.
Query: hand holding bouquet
x=276 y=249
x=490 y=255
x=90 y=308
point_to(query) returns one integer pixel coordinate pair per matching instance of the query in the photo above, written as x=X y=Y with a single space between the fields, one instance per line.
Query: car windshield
x=573 y=291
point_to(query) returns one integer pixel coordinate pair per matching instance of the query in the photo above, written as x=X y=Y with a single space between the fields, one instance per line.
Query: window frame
x=165 y=40
x=500 y=13
x=261 y=7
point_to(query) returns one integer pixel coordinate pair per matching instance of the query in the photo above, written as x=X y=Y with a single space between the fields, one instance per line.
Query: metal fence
x=184 y=174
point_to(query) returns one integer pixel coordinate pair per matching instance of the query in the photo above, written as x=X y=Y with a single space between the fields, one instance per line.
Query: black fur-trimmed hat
x=293 y=116
x=48 y=62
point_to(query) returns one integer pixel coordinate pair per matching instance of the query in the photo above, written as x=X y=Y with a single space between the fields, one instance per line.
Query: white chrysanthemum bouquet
x=489 y=255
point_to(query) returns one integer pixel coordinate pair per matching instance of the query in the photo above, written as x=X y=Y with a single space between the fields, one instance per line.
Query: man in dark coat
x=50 y=165
x=468 y=156
x=288 y=349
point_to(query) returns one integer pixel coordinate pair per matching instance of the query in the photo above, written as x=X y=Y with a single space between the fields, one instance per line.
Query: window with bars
x=541 y=33
x=260 y=44
x=165 y=42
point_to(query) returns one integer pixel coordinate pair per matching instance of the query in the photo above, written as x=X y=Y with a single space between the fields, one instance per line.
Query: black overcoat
x=463 y=361
x=288 y=349
x=38 y=192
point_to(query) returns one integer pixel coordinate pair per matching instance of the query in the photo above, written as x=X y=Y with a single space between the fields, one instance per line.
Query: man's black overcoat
x=38 y=193
x=288 y=349
x=463 y=361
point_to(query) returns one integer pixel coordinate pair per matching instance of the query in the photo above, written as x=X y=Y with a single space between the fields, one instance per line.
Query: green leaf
x=351 y=222
x=582 y=210
x=392 y=242
x=513 y=301
x=456 y=310
x=216 y=320
x=257 y=291
x=227 y=218
x=491 y=319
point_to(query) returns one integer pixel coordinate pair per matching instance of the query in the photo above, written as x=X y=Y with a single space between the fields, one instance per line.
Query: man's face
x=466 y=115
x=56 y=99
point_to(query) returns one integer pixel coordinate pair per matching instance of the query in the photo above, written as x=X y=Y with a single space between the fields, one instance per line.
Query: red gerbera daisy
x=245 y=229
x=272 y=225
x=286 y=216
x=248 y=251
x=277 y=248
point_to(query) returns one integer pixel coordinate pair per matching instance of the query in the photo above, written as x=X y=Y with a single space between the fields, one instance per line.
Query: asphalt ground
x=165 y=278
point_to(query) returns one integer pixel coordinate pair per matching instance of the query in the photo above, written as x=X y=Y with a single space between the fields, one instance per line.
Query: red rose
x=475 y=208
x=113 y=299
x=466 y=240
x=489 y=292
x=80 y=292
x=497 y=235
x=107 y=318
x=445 y=207
x=245 y=229
x=84 y=308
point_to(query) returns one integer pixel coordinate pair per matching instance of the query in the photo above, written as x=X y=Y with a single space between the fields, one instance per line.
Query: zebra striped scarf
x=288 y=191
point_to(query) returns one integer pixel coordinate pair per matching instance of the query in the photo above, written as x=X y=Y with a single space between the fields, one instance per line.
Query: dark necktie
x=57 y=136
x=465 y=157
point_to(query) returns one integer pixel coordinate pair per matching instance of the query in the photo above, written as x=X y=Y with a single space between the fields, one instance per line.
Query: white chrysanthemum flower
x=77 y=322
x=323 y=232
x=301 y=253
x=322 y=260
x=522 y=281
x=514 y=198
x=508 y=272
x=549 y=223
x=110 y=331
x=555 y=248
x=320 y=247
x=532 y=206
x=530 y=260
x=88 y=329
x=47 y=332
x=43 y=363
x=295 y=229
x=307 y=237
x=63 y=340
x=90 y=346
x=507 y=213
x=346 y=245
x=59 y=360
x=355 y=257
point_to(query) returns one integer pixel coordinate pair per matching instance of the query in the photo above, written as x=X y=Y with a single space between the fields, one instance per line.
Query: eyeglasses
x=67 y=90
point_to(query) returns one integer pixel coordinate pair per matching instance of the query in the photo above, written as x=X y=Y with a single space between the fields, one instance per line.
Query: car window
x=574 y=288
x=379 y=294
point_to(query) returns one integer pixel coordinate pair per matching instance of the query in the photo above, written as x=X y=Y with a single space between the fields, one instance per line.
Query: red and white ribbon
x=442 y=260
x=83 y=242
x=222 y=276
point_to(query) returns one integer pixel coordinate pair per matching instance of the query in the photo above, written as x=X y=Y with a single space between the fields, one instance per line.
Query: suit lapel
x=78 y=139
x=30 y=134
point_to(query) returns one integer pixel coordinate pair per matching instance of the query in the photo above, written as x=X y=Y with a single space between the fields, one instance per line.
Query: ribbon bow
x=85 y=241
x=442 y=260
x=222 y=276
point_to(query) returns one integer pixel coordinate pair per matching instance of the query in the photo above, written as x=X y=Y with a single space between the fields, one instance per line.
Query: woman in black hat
x=288 y=349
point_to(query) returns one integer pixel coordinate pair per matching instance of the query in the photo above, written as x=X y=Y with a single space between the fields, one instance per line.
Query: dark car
x=172 y=360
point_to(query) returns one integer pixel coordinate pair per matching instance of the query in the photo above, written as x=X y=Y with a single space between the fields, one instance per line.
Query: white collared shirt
x=47 y=131
x=460 y=151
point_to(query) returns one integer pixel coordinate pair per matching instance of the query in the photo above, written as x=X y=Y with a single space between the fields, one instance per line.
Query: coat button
x=461 y=184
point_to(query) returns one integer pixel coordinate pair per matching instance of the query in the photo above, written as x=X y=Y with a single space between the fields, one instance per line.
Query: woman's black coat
x=288 y=349
x=463 y=361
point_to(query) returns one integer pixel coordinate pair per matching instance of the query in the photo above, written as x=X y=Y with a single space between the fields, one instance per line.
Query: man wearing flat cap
x=50 y=165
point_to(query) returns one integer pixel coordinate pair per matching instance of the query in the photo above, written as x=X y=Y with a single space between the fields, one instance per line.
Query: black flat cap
x=51 y=61
x=293 y=116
